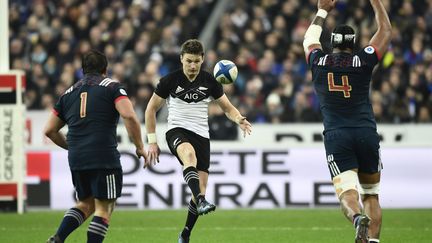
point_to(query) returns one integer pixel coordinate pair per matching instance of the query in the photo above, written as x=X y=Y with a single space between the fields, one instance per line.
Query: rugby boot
x=54 y=239
x=182 y=240
x=204 y=207
x=361 y=226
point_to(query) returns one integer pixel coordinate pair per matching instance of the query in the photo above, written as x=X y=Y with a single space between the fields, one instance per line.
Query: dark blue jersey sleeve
x=118 y=92
x=368 y=56
x=162 y=88
x=314 y=55
x=58 y=108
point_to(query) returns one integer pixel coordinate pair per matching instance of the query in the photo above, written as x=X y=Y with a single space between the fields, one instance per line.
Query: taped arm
x=311 y=39
x=381 y=39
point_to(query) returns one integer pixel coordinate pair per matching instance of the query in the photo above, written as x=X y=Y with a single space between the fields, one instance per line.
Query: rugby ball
x=225 y=72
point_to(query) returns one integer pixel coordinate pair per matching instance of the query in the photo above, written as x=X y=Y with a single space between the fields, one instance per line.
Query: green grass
x=296 y=225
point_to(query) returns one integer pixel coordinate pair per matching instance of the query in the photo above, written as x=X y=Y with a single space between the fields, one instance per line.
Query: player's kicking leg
x=186 y=153
x=72 y=219
x=204 y=207
x=369 y=191
x=345 y=185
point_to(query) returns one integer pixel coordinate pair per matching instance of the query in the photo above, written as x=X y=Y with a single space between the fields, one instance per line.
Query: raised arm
x=234 y=115
x=132 y=124
x=153 y=106
x=313 y=33
x=381 y=39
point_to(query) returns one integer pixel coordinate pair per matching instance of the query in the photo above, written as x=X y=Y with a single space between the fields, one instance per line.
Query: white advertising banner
x=264 y=135
x=256 y=178
x=11 y=143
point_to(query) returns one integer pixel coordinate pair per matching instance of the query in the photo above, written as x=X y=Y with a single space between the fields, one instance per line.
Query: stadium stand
x=141 y=38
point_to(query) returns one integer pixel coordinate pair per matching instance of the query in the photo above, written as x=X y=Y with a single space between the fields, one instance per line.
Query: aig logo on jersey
x=195 y=94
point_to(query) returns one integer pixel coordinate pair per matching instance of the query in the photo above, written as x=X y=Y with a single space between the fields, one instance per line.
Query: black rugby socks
x=190 y=175
x=192 y=217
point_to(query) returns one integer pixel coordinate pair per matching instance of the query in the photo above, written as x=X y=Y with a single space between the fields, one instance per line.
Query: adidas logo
x=179 y=89
x=68 y=90
x=202 y=88
x=176 y=141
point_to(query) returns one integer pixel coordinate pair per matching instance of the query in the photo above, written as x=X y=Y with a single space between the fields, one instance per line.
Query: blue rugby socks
x=97 y=230
x=72 y=219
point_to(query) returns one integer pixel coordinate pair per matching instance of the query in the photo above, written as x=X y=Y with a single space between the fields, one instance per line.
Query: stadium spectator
x=245 y=33
x=188 y=92
x=93 y=157
x=342 y=81
x=220 y=127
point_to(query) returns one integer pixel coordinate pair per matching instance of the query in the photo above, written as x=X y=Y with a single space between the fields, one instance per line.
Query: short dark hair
x=192 y=46
x=343 y=37
x=94 y=62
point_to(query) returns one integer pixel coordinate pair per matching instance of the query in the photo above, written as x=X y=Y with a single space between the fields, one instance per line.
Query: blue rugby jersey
x=342 y=83
x=88 y=108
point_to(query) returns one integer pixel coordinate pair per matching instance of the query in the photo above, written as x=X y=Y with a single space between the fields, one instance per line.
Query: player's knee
x=369 y=189
x=105 y=211
x=88 y=208
x=187 y=155
x=345 y=181
x=190 y=155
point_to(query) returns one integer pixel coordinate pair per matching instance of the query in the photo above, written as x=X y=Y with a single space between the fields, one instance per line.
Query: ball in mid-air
x=225 y=72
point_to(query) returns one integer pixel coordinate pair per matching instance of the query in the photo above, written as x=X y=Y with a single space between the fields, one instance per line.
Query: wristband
x=151 y=138
x=322 y=13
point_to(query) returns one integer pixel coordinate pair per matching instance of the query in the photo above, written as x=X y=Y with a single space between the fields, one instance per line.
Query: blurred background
x=142 y=38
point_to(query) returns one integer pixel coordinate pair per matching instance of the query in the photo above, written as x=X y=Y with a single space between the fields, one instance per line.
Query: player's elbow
x=50 y=132
x=386 y=29
x=150 y=111
x=389 y=32
x=386 y=34
x=130 y=115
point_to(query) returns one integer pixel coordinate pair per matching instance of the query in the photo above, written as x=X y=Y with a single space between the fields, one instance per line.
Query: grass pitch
x=231 y=226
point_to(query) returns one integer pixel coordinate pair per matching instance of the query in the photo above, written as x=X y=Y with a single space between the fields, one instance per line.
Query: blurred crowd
x=142 y=38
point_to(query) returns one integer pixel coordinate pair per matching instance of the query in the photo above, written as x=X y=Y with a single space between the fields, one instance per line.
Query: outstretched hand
x=152 y=155
x=327 y=5
x=140 y=152
x=245 y=126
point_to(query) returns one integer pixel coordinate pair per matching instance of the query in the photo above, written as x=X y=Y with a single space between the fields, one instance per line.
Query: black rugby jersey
x=88 y=108
x=188 y=101
x=342 y=83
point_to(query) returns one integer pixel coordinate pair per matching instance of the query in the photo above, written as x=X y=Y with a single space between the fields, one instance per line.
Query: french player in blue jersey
x=342 y=82
x=91 y=110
